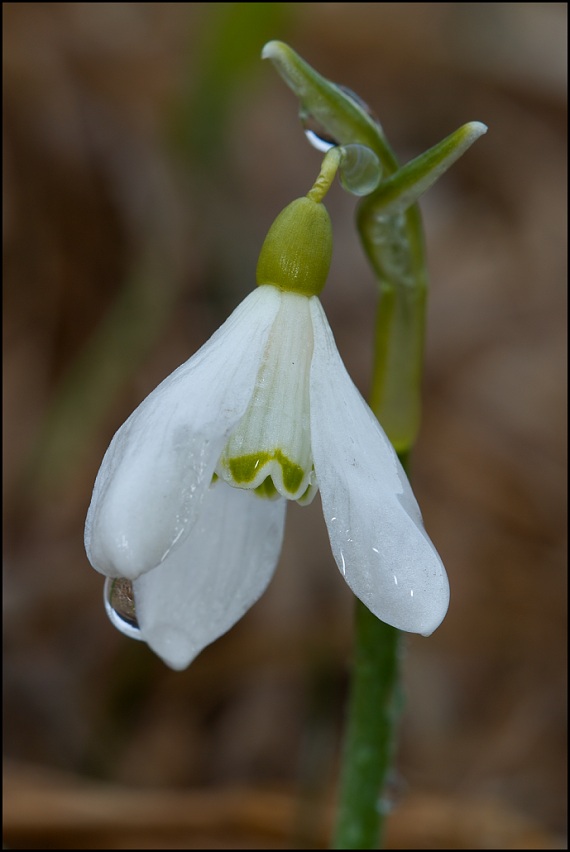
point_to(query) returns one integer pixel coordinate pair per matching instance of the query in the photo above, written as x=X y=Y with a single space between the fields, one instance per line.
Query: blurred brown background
x=147 y=150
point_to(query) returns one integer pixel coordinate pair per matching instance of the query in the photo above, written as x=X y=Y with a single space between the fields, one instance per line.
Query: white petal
x=374 y=522
x=161 y=461
x=203 y=587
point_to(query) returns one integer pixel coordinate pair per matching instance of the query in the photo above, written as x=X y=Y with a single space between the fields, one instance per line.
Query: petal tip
x=435 y=614
x=173 y=646
x=432 y=625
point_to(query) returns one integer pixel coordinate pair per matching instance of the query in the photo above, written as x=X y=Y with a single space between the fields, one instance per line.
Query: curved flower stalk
x=189 y=503
x=389 y=225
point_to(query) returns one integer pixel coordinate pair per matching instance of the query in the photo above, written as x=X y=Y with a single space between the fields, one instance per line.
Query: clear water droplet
x=120 y=606
x=316 y=134
x=359 y=102
x=393 y=792
x=360 y=169
x=318 y=142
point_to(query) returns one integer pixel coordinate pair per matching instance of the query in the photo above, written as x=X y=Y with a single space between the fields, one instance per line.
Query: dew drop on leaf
x=360 y=169
x=316 y=134
x=359 y=102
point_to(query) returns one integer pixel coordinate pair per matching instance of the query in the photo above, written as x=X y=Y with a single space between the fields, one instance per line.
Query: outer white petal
x=203 y=587
x=374 y=522
x=160 y=462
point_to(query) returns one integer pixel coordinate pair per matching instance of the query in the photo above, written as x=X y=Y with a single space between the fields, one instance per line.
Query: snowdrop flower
x=189 y=503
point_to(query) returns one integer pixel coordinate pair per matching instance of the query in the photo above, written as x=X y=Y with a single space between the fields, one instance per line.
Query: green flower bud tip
x=296 y=255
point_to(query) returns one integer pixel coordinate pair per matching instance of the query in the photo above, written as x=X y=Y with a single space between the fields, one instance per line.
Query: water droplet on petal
x=120 y=606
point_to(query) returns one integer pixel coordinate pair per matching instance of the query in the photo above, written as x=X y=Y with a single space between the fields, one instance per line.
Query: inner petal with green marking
x=270 y=450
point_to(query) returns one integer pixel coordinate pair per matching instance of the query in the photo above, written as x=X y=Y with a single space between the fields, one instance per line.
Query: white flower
x=190 y=499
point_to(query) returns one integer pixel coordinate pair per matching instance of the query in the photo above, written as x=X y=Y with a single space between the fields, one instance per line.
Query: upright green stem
x=389 y=225
x=370 y=740
x=371 y=733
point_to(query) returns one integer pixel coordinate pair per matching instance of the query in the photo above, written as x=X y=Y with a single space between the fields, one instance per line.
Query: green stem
x=389 y=225
x=374 y=708
x=370 y=737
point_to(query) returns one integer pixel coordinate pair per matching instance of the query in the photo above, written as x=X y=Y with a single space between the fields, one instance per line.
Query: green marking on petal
x=267 y=489
x=245 y=468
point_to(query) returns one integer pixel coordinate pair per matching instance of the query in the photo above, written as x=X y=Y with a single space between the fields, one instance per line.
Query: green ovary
x=244 y=469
